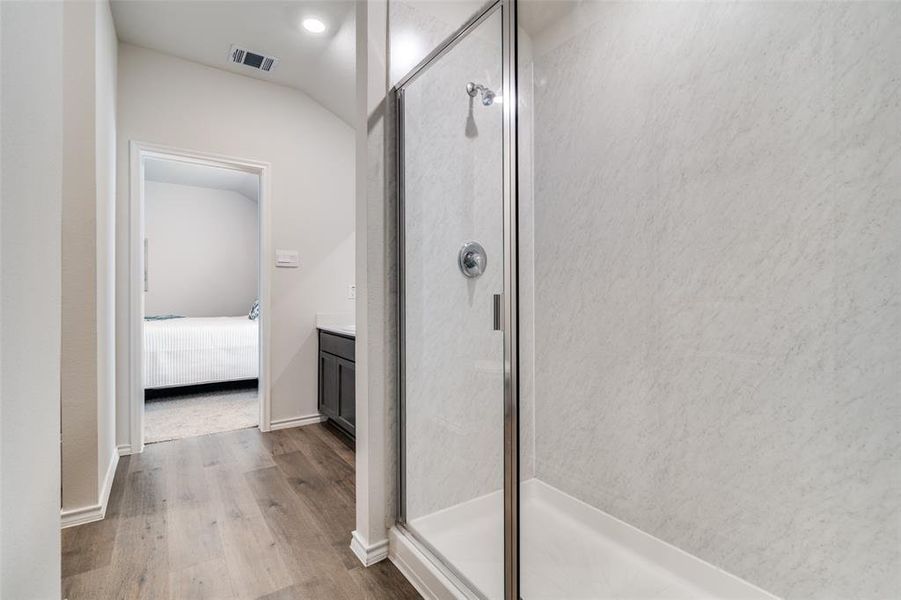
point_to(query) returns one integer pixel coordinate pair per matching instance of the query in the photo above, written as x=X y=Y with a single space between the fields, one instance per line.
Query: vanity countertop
x=345 y=330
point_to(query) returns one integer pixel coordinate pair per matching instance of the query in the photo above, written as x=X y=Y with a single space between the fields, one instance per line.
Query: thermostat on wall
x=287 y=259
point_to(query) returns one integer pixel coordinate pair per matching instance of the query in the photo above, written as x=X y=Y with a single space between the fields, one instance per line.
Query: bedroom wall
x=31 y=188
x=88 y=215
x=166 y=100
x=202 y=250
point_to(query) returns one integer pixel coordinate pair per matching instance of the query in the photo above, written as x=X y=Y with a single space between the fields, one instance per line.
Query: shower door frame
x=510 y=302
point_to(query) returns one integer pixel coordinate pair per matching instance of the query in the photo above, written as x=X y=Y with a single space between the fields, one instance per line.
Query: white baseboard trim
x=80 y=516
x=296 y=422
x=109 y=478
x=124 y=449
x=429 y=580
x=369 y=554
x=94 y=512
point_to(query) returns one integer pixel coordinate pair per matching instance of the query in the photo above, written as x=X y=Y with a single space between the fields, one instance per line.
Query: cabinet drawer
x=337 y=345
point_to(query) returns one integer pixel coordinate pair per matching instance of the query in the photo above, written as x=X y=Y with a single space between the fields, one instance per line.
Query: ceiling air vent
x=260 y=62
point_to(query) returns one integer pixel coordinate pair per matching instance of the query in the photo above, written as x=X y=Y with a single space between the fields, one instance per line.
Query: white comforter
x=200 y=350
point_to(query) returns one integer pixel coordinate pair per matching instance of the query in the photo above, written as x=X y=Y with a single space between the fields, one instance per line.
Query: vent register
x=254 y=60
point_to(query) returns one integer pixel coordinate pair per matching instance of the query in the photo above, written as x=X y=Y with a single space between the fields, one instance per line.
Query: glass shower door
x=451 y=135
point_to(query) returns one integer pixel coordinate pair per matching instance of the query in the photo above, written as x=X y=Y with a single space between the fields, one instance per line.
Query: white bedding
x=191 y=351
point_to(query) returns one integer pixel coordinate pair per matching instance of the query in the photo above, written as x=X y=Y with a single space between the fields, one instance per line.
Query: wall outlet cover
x=287 y=259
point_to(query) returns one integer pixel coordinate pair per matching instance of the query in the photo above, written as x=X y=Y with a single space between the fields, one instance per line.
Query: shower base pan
x=569 y=549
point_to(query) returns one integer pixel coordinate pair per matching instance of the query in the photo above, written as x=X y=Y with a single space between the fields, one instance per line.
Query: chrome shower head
x=487 y=95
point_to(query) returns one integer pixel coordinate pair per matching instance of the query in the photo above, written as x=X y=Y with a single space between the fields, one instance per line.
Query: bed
x=195 y=350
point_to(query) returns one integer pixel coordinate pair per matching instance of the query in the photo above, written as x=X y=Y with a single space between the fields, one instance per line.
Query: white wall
x=203 y=245
x=375 y=312
x=79 y=299
x=178 y=103
x=87 y=364
x=106 y=59
x=30 y=214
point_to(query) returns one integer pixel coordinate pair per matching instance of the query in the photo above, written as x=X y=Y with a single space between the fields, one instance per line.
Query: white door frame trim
x=137 y=152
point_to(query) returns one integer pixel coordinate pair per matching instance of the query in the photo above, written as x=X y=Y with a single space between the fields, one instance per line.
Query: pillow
x=254 y=311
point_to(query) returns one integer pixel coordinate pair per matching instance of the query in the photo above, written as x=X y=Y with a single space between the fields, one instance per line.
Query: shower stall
x=649 y=281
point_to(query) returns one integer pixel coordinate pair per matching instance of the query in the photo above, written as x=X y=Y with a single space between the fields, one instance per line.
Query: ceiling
x=183 y=173
x=203 y=31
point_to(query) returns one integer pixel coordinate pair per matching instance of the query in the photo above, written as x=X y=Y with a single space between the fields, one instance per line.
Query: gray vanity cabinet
x=337 y=396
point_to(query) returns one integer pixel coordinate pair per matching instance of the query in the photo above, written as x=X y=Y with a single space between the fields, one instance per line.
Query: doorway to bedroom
x=201 y=285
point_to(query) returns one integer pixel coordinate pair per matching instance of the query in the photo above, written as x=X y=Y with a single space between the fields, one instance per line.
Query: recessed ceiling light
x=313 y=25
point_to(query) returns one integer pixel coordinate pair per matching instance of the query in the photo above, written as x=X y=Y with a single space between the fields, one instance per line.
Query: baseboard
x=109 y=478
x=296 y=422
x=430 y=581
x=369 y=554
x=124 y=449
x=94 y=512
x=81 y=516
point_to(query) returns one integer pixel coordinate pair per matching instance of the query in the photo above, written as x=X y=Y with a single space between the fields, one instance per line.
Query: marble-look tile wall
x=526 y=258
x=454 y=359
x=718 y=282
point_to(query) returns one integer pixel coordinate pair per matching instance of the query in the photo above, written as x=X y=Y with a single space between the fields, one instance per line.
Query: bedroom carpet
x=191 y=415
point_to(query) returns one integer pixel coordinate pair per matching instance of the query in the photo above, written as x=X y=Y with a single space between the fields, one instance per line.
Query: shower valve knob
x=472 y=259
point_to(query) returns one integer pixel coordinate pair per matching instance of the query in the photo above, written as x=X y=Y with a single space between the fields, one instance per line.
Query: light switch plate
x=352 y=292
x=287 y=259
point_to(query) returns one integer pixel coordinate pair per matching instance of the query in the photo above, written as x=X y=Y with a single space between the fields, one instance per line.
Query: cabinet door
x=347 y=397
x=328 y=384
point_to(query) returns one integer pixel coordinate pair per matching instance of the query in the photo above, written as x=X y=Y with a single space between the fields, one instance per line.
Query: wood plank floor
x=236 y=515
